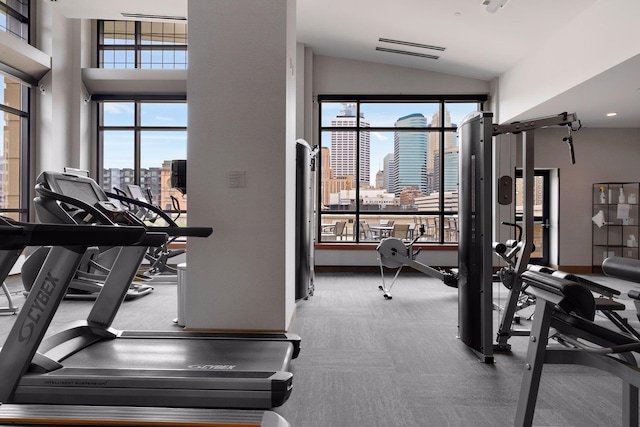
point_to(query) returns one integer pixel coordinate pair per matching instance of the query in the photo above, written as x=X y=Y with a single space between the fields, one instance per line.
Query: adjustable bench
x=569 y=307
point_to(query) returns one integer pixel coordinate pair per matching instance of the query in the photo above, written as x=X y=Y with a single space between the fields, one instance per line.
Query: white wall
x=345 y=76
x=241 y=92
x=602 y=155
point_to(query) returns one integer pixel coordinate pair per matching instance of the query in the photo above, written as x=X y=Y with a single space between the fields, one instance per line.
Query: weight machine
x=475 y=213
x=474 y=277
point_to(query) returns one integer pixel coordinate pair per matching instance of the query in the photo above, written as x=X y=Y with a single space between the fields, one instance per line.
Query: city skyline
x=385 y=115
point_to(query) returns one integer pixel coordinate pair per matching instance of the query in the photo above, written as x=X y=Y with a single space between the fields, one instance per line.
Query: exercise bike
x=394 y=253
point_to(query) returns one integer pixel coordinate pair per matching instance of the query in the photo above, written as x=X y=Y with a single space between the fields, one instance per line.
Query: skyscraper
x=344 y=146
x=410 y=151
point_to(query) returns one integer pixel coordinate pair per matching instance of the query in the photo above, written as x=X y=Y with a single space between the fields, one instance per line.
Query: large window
x=138 y=141
x=14 y=155
x=14 y=17
x=135 y=44
x=389 y=167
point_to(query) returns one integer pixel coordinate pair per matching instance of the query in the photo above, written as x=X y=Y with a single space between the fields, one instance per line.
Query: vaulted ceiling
x=460 y=37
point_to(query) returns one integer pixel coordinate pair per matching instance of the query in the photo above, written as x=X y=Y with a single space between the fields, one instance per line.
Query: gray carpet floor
x=367 y=361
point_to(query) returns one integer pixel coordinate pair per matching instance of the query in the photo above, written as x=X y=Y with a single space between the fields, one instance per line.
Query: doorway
x=541 y=213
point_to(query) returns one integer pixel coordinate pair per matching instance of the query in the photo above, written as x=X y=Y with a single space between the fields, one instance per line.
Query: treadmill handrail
x=18 y=235
x=142 y=204
x=173 y=229
x=92 y=210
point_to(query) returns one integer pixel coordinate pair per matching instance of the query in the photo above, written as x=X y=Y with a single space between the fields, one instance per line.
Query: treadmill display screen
x=80 y=190
x=136 y=193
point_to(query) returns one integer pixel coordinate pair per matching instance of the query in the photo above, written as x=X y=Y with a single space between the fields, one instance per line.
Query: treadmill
x=34 y=320
x=92 y=363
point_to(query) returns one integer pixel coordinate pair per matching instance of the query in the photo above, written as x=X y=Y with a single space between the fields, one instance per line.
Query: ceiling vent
x=145 y=16
x=405 y=52
x=419 y=45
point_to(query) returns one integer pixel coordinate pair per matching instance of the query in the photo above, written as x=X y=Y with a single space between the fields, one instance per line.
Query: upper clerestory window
x=142 y=44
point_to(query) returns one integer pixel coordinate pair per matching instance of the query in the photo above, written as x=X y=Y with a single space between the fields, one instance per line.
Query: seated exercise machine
x=135 y=200
x=565 y=311
x=92 y=363
x=20 y=356
x=393 y=253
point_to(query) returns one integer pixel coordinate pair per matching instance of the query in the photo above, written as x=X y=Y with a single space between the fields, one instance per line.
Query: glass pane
x=450 y=228
x=118 y=114
x=163 y=33
x=157 y=150
x=451 y=172
x=375 y=227
x=337 y=228
x=118 y=160
x=389 y=114
x=118 y=32
x=456 y=111
x=10 y=166
x=538 y=209
x=413 y=153
x=331 y=110
x=10 y=93
x=337 y=163
x=163 y=114
x=160 y=147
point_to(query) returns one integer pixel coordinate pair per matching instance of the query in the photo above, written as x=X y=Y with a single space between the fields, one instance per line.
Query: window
x=138 y=139
x=15 y=155
x=389 y=167
x=14 y=18
x=135 y=44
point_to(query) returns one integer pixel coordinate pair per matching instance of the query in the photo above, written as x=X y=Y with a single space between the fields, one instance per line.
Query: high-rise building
x=410 y=154
x=389 y=170
x=330 y=183
x=344 y=146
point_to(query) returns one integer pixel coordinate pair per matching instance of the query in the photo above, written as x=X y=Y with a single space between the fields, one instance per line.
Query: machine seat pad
x=575 y=297
x=622 y=268
x=609 y=304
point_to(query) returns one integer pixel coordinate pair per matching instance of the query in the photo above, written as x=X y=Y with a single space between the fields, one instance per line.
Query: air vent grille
x=145 y=16
x=412 y=44
x=405 y=52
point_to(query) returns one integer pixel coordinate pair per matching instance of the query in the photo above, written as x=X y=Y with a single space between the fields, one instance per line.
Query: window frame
x=136 y=128
x=137 y=47
x=18 y=17
x=442 y=130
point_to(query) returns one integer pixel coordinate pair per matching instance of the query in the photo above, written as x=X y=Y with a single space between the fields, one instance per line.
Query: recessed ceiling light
x=611 y=114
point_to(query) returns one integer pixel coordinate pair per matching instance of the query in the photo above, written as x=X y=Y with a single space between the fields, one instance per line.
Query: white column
x=241 y=164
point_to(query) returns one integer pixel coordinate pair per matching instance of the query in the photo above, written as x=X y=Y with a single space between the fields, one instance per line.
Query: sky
x=156 y=146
